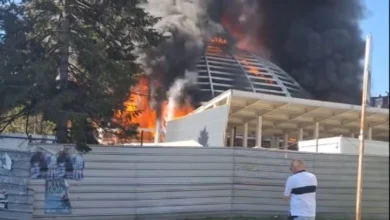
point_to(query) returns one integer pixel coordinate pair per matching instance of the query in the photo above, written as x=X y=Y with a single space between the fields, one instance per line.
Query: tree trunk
x=62 y=130
x=64 y=41
x=62 y=134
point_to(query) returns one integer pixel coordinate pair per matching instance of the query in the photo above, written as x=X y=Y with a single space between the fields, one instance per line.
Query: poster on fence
x=62 y=165
x=3 y=199
x=57 y=197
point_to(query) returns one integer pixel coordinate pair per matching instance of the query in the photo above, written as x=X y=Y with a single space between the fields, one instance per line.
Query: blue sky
x=377 y=22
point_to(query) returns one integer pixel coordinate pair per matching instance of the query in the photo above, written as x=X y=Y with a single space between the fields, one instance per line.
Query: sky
x=377 y=23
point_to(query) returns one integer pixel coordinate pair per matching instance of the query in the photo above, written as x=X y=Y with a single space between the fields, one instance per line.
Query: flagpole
x=358 y=211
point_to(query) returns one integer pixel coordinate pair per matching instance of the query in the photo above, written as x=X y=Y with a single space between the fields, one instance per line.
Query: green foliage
x=71 y=60
x=26 y=124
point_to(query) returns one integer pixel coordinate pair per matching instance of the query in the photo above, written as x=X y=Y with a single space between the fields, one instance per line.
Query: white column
x=272 y=144
x=259 y=131
x=157 y=132
x=352 y=135
x=277 y=143
x=369 y=134
x=300 y=136
x=232 y=133
x=316 y=133
x=285 y=142
x=316 y=130
x=245 y=137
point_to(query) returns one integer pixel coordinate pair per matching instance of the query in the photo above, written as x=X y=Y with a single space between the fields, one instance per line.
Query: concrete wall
x=15 y=181
x=171 y=183
x=207 y=127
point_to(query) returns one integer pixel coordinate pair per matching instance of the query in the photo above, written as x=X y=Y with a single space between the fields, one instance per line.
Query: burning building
x=224 y=66
x=287 y=50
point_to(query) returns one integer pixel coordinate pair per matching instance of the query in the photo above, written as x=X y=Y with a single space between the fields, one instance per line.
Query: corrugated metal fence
x=177 y=183
x=14 y=181
x=171 y=183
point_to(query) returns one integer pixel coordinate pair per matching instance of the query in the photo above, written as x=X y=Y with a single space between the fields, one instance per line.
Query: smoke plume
x=318 y=42
x=186 y=27
x=178 y=88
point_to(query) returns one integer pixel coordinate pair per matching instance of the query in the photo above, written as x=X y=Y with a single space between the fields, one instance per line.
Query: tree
x=29 y=124
x=71 y=60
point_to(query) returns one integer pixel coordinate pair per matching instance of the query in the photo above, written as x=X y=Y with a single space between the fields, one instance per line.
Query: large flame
x=138 y=111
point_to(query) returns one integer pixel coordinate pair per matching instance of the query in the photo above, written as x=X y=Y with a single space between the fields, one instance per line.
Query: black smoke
x=186 y=27
x=318 y=42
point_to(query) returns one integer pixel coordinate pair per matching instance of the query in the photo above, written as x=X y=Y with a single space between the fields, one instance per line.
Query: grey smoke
x=186 y=26
x=177 y=89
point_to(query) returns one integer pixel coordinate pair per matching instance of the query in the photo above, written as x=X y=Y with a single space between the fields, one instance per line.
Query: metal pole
x=142 y=137
x=358 y=211
x=234 y=136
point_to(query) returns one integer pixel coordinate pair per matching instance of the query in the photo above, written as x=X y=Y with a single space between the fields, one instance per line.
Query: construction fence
x=179 y=183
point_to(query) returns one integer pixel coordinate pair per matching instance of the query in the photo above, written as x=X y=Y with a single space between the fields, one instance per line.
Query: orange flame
x=255 y=71
x=218 y=40
x=146 y=119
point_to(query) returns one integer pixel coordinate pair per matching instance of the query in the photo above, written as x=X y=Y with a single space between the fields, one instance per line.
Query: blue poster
x=63 y=165
x=57 y=197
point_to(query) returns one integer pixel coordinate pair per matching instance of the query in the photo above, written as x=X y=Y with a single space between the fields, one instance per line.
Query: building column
x=352 y=135
x=272 y=142
x=277 y=142
x=300 y=136
x=259 y=131
x=157 y=131
x=245 y=136
x=369 y=134
x=316 y=134
x=285 y=142
x=232 y=136
x=316 y=130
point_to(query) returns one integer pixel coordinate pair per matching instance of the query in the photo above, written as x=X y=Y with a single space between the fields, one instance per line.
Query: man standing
x=301 y=191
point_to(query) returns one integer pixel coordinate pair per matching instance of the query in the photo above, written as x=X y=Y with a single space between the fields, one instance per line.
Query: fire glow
x=253 y=70
x=146 y=118
x=139 y=98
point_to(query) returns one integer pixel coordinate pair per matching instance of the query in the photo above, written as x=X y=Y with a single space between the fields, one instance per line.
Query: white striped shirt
x=301 y=187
